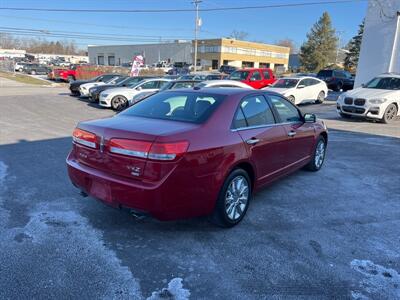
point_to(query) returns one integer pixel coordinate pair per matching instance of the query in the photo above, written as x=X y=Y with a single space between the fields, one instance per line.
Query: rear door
x=263 y=138
x=300 y=135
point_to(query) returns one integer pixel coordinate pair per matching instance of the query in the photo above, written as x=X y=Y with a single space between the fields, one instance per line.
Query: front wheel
x=390 y=114
x=119 y=103
x=233 y=199
x=321 y=97
x=319 y=155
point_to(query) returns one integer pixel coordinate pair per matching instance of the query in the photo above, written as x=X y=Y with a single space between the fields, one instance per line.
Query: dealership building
x=212 y=53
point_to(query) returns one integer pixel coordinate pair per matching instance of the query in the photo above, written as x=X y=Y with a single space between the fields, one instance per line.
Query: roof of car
x=218 y=91
x=397 y=75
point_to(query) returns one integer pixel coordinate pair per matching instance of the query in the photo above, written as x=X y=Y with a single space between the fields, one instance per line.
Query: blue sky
x=267 y=25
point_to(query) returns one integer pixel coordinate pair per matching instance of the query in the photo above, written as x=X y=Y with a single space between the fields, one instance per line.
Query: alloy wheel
x=119 y=103
x=237 y=197
x=390 y=113
x=319 y=154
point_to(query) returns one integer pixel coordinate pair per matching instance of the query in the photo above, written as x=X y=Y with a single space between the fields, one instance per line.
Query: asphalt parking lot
x=331 y=234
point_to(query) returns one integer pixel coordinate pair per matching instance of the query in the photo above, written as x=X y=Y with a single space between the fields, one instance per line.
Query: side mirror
x=310 y=118
x=301 y=86
x=139 y=88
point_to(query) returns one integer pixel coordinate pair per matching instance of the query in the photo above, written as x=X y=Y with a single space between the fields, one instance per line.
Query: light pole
x=339 y=42
x=196 y=29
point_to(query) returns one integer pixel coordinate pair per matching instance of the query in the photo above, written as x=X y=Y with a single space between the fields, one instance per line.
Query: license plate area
x=101 y=190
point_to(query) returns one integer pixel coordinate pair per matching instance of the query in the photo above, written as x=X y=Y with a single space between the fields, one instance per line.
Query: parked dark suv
x=337 y=79
x=227 y=69
x=34 y=69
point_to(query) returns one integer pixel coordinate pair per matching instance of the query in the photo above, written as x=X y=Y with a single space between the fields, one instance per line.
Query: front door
x=300 y=135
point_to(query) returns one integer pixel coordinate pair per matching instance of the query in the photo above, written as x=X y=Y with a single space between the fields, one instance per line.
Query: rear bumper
x=170 y=199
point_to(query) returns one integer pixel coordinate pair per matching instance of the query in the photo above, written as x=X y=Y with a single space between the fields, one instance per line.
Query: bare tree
x=239 y=35
x=287 y=42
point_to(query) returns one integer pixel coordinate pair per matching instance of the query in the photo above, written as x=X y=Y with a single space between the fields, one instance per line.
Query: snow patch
x=378 y=282
x=3 y=171
x=174 y=291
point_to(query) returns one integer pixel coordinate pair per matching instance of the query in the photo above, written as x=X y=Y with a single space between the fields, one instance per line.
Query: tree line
x=37 y=45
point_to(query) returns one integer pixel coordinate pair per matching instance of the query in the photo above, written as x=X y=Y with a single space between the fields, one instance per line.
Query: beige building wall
x=212 y=53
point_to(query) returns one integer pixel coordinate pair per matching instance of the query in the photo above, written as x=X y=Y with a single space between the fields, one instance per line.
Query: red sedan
x=188 y=153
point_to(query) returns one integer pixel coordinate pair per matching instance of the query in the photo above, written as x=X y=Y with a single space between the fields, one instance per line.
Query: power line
x=179 y=10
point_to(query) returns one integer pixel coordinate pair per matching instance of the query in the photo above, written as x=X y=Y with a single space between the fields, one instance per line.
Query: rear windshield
x=176 y=106
x=324 y=73
x=239 y=75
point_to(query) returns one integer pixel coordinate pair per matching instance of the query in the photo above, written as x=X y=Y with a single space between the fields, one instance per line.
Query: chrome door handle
x=291 y=133
x=252 y=141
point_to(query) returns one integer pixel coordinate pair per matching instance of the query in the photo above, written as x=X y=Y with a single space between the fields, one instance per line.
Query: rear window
x=186 y=107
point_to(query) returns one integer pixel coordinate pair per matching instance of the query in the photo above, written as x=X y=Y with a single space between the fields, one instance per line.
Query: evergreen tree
x=351 y=59
x=320 y=48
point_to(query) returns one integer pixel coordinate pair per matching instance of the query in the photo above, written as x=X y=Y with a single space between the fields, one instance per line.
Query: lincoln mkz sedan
x=194 y=152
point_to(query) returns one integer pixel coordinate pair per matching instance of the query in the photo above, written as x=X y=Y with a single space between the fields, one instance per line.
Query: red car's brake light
x=130 y=147
x=168 y=151
x=85 y=138
x=143 y=149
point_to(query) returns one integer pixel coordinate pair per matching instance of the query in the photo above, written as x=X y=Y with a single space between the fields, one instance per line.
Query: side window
x=161 y=84
x=286 y=110
x=314 y=81
x=339 y=74
x=257 y=112
x=266 y=75
x=303 y=82
x=240 y=120
x=256 y=75
x=149 y=85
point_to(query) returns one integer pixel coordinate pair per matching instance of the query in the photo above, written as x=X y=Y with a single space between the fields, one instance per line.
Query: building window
x=247 y=64
x=100 y=60
x=214 y=64
x=111 y=60
x=264 y=65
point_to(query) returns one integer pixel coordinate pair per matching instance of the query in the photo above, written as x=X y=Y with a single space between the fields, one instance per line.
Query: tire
x=33 y=72
x=390 y=114
x=70 y=78
x=321 y=97
x=231 y=206
x=338 y=86
x=292 y=99
x=318 y=157
x=345 y=116
x=119 y=103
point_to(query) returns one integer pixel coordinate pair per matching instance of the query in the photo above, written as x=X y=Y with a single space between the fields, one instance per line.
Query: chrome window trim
x=264 y=126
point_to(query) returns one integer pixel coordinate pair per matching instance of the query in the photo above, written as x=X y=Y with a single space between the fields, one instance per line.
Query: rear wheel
x=233 y=199
x=119 y=103
x=319 y=155
x=292 y=99
x=321 y=97
x=338 y=86
x=390 y=114
x=70 y=78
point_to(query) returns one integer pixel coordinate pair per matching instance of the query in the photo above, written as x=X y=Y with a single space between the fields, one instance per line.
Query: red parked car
x=188 y=153
x=256 y=78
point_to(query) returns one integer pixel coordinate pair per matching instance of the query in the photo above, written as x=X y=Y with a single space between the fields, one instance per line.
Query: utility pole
x=196 y=29
x=339 y=33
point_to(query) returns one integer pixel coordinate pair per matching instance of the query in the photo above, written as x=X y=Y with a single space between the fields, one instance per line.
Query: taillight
x=143 y=149
x=168 y=151
x=130 y=147
x=85 y=138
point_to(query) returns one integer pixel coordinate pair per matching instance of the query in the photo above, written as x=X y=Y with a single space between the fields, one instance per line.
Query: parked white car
x=119 y=98
x=223 y=84
x=84 y=88
x=300 y=89
x=378 y=99
x=19 y=66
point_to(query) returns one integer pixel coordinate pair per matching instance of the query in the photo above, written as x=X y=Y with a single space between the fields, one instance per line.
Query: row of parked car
x=118 y=91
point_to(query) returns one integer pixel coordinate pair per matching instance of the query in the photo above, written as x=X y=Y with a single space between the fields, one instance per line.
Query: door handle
x=252 y=141
x=291 y=133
